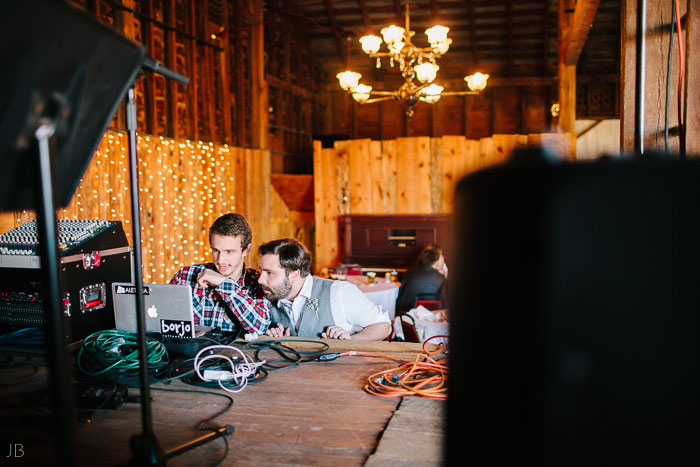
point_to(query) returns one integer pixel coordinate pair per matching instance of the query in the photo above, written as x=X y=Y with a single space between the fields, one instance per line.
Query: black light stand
x=56 y=345
x=145 y=447
x=640 y=77
x=61 y=79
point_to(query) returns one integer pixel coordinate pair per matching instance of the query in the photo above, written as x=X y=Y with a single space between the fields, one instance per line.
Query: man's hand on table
x=277 y=331
x=335 y=332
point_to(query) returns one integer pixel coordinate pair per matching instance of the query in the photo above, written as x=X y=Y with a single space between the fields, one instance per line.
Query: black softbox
x=57 y=63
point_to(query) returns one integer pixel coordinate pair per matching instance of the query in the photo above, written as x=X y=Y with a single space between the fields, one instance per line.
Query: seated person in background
x=426 y=281
x=224 y=293
x=308 y=306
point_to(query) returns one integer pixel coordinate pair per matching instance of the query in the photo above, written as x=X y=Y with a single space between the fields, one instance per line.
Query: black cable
x=283 y=350
x=202 y=425
x=668 y=70
x=175 y=367
x=85 y=416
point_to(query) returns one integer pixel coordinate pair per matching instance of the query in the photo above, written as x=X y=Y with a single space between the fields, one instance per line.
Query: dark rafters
x=342 y=51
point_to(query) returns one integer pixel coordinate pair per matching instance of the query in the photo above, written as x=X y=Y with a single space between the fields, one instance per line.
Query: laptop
x=168 y=308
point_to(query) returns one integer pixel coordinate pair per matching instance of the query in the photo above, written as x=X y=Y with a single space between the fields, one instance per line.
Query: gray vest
x=309 y=324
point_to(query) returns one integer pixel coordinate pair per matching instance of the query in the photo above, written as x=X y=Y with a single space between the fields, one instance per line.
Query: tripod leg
x=223 y=431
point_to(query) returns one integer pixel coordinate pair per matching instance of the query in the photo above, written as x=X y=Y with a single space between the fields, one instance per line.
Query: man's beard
x=280 y=291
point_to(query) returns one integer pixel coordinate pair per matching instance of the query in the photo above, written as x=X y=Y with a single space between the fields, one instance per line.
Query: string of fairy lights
x=184 y=186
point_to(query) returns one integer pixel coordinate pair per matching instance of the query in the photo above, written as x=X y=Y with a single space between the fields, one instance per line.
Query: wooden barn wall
x=658 y=17
x=291 y=79
x=412 y=175
x=184 y=186
x=210 y=42
x=286 y=223
x=215 y=44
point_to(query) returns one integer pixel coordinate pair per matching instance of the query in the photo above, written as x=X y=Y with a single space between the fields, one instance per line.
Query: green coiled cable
x=118 y=350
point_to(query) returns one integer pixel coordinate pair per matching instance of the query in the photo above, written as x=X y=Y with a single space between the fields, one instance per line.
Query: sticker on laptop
x=131 y=290
x=175 y=328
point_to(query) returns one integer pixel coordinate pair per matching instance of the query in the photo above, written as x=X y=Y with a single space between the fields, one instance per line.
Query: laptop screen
x=168 y=308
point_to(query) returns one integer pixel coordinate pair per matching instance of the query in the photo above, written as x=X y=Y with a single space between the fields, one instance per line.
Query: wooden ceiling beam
x=545 y=56
x=509 y=29
x=434 y=11
x=365 y=16
x=583 y=20
x=472 y=32
x=342 y=51
x=399 y=12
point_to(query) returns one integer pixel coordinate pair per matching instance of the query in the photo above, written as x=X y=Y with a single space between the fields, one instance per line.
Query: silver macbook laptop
x=168 y=308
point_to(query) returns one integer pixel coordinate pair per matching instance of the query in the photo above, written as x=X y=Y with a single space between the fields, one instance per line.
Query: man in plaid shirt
x=224 y=293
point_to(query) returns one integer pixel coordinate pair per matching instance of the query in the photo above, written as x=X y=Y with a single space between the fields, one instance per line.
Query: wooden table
x=315 y=414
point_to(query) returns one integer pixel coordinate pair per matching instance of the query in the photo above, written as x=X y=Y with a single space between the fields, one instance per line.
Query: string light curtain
x=183 y=187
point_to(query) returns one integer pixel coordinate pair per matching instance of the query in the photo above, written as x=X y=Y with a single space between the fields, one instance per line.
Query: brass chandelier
x=413 y=62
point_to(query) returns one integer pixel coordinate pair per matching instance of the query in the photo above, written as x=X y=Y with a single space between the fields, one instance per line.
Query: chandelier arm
x=409 y=57
x=417 y=89
x=378 y=99
x=380 y=55
x=383 y=93
x=459 y=93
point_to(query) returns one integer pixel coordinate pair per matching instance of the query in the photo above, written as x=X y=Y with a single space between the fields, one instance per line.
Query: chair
x=429 y=304
x=408 y=325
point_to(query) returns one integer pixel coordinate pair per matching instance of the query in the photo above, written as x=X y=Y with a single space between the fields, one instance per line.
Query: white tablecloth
x=427 y=324
x=426 y=329
x=381 y=293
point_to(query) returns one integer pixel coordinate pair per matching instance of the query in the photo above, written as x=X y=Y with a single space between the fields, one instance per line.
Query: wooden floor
x=315 y=414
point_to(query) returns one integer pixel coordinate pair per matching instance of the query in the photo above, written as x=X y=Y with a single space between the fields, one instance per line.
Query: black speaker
x=575 y=314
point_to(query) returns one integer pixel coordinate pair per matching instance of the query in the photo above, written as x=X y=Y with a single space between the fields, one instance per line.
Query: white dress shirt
x=351 y=310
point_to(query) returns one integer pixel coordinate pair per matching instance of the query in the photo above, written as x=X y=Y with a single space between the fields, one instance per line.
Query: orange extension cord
x=424 y=377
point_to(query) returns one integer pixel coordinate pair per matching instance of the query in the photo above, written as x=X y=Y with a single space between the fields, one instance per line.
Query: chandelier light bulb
x=431 y=94
x=370 y=44
x=348 y=80
x=477 y=81
x=361 y=92
x=437 y=34
x=395 y=47
x=443 y=47
x=426 y=72
x=392 y=34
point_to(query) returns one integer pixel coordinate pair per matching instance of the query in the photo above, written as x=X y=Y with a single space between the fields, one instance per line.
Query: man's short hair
x=232 y=225
x=292 y=253
x=430 y=255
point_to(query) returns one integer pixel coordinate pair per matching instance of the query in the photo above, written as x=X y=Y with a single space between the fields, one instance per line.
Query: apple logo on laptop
x=152 y=311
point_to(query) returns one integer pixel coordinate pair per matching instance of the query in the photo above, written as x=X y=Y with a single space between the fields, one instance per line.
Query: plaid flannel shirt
x=217 y=306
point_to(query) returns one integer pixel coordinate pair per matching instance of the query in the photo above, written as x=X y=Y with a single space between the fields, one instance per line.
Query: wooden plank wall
x=184 y=186
x=658 y=19
x=403 y=176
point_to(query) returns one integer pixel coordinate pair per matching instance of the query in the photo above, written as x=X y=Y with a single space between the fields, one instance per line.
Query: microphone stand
x=146 y=449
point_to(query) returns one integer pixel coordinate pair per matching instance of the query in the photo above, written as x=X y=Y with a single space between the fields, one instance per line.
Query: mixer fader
x=74 y=237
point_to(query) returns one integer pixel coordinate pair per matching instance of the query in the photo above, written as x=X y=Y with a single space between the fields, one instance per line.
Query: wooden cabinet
x=392 y=240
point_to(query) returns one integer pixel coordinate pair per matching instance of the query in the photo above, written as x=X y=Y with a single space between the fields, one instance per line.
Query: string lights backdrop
x=184 y=186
